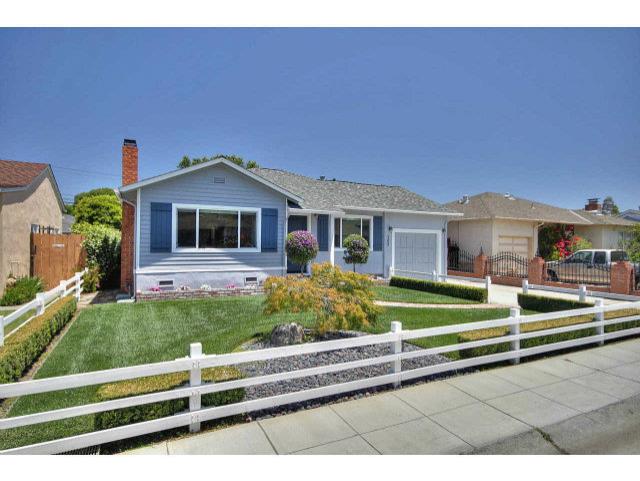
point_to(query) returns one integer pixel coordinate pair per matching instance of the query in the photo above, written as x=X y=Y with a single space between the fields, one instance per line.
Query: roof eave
x=401 y=211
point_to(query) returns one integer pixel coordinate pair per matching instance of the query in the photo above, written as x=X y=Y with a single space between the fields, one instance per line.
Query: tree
x=608 y=200
x=301 y=247
x=102 y=244
x=99 y=209
x=93 y=193
x=633 y=248
x=236 y=159
x=356 y=250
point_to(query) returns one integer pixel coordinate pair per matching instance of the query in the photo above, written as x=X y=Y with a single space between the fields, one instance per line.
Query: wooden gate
x=55 y=257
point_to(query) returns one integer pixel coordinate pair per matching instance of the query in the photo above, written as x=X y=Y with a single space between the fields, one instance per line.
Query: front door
x=295 y=222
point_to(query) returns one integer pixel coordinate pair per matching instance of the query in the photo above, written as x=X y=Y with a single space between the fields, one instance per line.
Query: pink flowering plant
x=301 y=247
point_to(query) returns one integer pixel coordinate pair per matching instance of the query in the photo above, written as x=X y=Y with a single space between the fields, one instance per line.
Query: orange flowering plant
x=340 y=300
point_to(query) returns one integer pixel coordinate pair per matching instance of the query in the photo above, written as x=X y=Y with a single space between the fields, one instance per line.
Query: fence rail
x=39 y=305
x=508 y=264
x=197 y=361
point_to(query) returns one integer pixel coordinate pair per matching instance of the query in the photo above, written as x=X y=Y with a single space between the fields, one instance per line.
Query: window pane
x=365 y=230
x=336 y=233
x=617 y=256
x=218 y=229
x=186 y=228
x=248 y=229
x=600 y=258
x=350 y=226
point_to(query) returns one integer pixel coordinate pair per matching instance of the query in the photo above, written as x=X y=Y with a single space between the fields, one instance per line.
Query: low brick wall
x=198 y=294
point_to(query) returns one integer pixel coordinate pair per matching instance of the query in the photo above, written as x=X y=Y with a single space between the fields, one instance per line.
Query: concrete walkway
x=462 y=414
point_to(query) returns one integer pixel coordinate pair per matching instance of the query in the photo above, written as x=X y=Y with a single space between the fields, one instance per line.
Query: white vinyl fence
x=197 y=361
x=42 y=301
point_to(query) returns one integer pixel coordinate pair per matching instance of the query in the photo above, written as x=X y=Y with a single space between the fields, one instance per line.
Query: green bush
x=531 y=302
x=148 y=412
x=27 y=343
x=91 y=279
x=99 y=209
x=102 y=244
x=356 y=250
x=454 y=290
x=24 y=290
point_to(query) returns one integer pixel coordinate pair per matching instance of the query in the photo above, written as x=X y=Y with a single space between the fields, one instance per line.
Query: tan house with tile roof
x=29 y=201
x=505 y=223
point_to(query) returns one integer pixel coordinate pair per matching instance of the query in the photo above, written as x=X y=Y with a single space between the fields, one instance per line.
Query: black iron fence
x=460 y=260
x=573 y=272
x=508 y=264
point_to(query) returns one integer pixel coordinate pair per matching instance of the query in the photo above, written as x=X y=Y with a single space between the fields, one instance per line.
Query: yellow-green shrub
x=24 y=347
x=538 y=326
x=339 y=299
x=164 y=382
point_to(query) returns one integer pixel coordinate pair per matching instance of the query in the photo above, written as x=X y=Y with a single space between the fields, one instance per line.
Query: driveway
x=536 y=403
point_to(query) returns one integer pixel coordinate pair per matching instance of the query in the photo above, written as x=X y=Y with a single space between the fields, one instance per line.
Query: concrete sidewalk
x=462 y=414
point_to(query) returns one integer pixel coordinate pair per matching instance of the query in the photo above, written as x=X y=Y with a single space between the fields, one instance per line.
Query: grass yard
x=398 y=294
x=116 y=335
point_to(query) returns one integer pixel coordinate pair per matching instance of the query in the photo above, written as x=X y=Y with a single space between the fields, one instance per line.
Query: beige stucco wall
x=603 y=237
x=471 y=234
x=35 y=205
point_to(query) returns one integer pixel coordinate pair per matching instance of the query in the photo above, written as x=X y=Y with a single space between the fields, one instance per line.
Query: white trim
x=194 y=168
x=354 y=216
x=438 y=234
x=401 y=211
x=145 y=271
x=332 y=250
x=222 y=208
x=299 y=211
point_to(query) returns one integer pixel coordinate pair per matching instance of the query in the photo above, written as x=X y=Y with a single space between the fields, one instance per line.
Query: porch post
x=332 y=251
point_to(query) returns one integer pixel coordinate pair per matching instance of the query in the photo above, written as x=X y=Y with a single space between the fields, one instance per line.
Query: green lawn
x=398 y=294
x=116 y=335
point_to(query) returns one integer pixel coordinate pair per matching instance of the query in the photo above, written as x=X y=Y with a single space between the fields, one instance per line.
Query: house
x=30 y=201
x=218 y=224
x=631 y=214
x=604 y=230
x=497 y=222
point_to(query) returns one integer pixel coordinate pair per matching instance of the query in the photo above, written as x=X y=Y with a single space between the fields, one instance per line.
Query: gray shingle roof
x=490 y=205
x=601 y=219
x=338 y=194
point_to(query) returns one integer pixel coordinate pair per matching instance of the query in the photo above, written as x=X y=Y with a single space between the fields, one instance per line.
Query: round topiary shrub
x=356 y=250
x=301 y=247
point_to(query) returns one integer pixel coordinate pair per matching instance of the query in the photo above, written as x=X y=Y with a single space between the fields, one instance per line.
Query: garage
x=515 y=244
x=416 y=253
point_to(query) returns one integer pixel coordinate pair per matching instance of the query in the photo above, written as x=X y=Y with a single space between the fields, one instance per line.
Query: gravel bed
x=273 y=366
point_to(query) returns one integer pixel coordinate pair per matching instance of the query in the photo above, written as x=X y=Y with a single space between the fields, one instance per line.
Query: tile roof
x=491 y=205
x=339 y=194
x=15 y=174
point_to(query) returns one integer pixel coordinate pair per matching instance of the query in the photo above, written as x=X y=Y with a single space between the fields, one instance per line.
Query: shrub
x=454 y=290
x=356 y=250
x=537 y=326
x=24 y=290
x=165 y=382
x=91 y=279
x=531 y=302
x=301 y=247
x=99 y=209
x=102 y=244
x=27 y=343
x=339 y=299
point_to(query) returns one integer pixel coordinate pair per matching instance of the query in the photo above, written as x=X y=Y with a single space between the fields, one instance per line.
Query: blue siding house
x=222 y=225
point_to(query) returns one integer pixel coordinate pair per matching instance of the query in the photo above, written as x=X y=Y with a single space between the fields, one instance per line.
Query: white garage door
x=517 y=245
x=415 y=254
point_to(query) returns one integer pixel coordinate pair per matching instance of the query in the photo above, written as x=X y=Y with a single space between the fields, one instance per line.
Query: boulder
x=287 y=334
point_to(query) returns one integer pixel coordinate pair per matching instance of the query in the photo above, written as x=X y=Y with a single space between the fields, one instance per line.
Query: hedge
x=24 y=347
x=548 y=304
x=164 y=382
x=454 y=290
x=536 y=326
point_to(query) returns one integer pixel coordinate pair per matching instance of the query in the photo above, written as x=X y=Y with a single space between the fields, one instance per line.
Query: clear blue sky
x=546 y=114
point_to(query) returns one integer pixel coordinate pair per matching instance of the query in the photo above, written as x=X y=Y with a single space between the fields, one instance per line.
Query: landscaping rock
x=286 y=335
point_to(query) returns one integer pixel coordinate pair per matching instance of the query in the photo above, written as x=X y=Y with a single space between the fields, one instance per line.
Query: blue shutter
x=323 y=232
x=160 y=227
x=377 y=233
x=269 y=240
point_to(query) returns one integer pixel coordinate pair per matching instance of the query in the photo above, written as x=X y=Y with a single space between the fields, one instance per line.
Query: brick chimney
x=129 y=176
x=593 y=204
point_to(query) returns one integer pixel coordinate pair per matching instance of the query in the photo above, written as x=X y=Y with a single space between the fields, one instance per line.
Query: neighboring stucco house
x=30 y=201
x=219 y=224
x=505 y=223
x=631 y=214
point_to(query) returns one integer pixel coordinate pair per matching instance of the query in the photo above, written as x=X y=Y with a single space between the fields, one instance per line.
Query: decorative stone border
x=198 y=293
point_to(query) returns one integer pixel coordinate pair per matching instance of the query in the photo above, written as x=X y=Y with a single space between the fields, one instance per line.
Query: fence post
x=195 y=379
x=487 y=285
x=391 y=271
x=582 y=293
x=40 y=302
x=62 y=288
x=514 y=330
x=600 y=320
x=78 y=289
x=396 y=348
x=1 y=331
x=435 y=275
x=525 y=286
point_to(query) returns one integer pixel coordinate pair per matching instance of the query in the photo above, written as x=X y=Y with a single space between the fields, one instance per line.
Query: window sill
x=194 y=250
